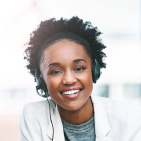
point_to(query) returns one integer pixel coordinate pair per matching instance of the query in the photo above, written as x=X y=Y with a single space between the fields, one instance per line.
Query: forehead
x=65 y=49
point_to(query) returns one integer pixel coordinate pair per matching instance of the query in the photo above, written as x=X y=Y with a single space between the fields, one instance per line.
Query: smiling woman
x=68 y=78
x=65 y=57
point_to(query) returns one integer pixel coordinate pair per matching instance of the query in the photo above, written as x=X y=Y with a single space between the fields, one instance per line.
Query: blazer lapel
x=57 y=125
x=102 y=128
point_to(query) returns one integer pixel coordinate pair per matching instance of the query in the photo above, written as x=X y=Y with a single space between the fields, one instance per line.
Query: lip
x=72 y=96
x=70 y=89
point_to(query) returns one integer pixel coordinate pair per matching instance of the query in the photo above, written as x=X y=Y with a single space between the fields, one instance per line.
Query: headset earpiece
x=40 y=85
x=95 y=71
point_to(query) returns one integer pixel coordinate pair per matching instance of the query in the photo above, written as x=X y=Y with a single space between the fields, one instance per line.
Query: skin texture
x=66 y=66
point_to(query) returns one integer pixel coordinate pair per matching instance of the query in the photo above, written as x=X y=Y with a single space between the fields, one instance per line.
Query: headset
x=40 y=84
x=43 y=88
x=95 y=71
x=44 y=92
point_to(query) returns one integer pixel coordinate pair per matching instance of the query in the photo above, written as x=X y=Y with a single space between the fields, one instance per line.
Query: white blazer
x=114 y=121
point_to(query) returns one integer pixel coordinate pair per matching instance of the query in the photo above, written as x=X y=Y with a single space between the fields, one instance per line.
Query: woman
x=65 y=58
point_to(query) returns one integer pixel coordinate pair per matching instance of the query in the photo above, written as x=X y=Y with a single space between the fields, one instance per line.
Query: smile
x=72 y=92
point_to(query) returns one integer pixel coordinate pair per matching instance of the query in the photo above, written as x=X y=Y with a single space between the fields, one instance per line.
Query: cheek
x=87 y=76
x=87 y=81
x=52 y=84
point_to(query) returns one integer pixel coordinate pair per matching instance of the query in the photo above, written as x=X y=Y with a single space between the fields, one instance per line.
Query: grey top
x=81 y=132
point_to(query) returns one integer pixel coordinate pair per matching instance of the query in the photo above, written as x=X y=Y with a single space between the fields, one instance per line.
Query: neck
x=80 y=116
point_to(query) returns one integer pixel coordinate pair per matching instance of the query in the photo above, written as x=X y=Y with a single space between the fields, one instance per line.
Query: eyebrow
x=78 y=60
x=53 y=64
x=56 y=63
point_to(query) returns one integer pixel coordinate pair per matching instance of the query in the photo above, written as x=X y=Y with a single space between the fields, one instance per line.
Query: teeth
x=71 y=92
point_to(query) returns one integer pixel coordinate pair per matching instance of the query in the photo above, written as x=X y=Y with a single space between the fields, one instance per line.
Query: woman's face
x=66 y=70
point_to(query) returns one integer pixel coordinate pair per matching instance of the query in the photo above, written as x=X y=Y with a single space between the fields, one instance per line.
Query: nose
x=69 y=78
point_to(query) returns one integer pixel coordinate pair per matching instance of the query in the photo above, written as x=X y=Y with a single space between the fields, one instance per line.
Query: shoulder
x=35 y=119
x=35 y=105
x=118 y=108
x=38 y=106
x=37 y=110
x=120 y=115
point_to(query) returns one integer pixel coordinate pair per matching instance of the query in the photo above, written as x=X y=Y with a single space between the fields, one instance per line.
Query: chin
x=73 y=107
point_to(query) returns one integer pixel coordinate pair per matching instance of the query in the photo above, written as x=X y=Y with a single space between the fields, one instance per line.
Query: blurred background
x=118 y=20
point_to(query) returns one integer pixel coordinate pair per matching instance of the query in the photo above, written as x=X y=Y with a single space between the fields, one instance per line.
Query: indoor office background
x=118 y=20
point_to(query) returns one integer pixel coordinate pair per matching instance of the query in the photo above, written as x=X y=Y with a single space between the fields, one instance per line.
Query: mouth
x=70 y=92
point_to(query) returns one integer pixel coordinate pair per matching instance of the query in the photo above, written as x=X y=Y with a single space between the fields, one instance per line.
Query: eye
x=54 y=72
x=80 y=68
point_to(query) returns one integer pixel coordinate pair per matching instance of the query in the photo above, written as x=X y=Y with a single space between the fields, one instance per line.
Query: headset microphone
x=44 y=93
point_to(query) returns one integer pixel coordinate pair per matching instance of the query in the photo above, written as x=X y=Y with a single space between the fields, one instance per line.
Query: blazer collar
x=57 y=125
x=102 y=128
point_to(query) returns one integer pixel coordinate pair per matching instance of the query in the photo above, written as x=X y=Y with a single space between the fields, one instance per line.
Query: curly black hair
x=74 y=25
